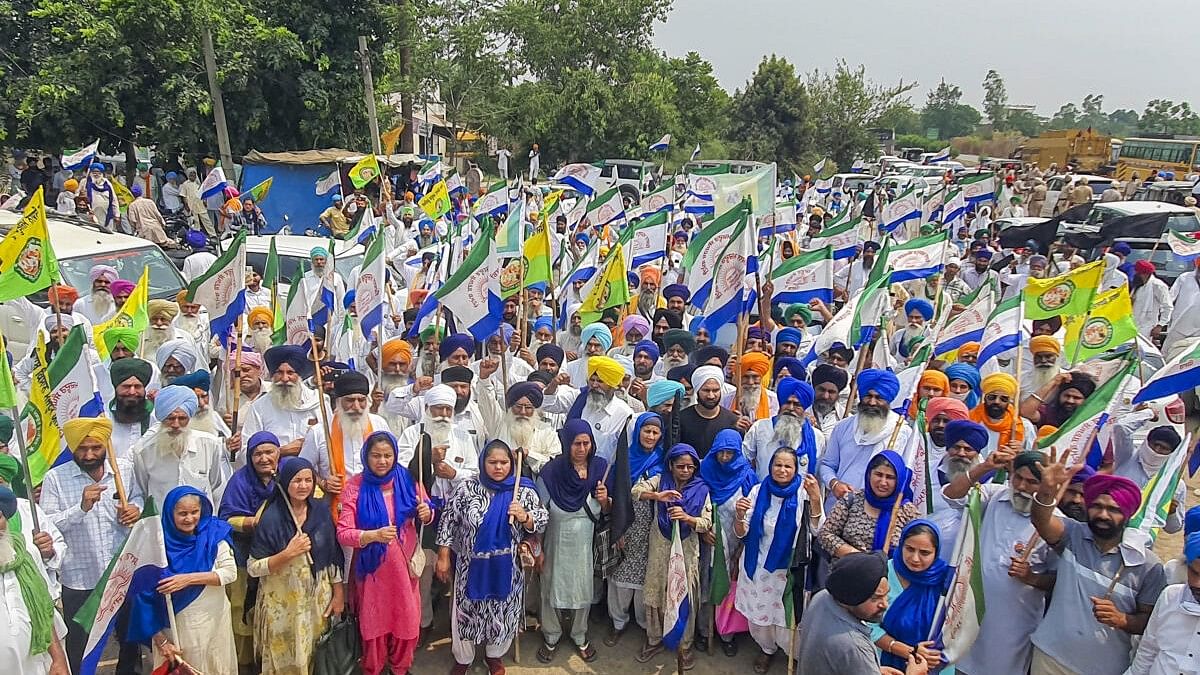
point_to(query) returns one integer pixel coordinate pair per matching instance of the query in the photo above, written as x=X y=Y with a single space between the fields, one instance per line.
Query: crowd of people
x=562 y=473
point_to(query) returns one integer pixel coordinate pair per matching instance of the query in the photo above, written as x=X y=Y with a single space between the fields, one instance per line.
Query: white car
x=1004 y=223
x=79 y=247
x=293 y=249
x=1054 y=187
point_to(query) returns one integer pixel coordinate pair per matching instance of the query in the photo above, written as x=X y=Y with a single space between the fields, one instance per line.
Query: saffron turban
x=79 y=428
x=607 y=369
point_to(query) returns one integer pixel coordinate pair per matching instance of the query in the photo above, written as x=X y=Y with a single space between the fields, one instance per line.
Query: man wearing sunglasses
x=997 y=411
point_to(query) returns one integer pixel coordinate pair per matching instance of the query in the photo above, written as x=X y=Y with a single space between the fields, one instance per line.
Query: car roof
x=1023 y=220
x=296 y=245
x=74 y=237
x=1132 y=208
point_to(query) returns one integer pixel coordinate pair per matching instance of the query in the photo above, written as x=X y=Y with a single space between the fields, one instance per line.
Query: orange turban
x=755 y=362
x=934 y=378
x=969 y=348
x=417 y=296
x=1042 y=344
x=1002 y=382
x=648 y=273
x=397 y=347
x=63 y=291
x=260 y=313
x=1045 y=430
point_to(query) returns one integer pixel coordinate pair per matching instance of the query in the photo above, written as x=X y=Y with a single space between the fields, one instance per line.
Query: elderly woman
x=380 y=510
x=774 y=522
x=683 y=509
x=870 y=519
x=646 y=459
x=245 y=495
x=484 y=523
x=917 y=576
x=295 y=566
x=200 y=561
x=577 y=484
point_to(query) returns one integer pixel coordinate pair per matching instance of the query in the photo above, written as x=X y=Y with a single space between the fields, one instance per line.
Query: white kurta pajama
x=205 y=627
x=16 y=630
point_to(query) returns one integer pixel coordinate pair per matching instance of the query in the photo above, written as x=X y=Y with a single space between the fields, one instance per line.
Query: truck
x=1084 y=149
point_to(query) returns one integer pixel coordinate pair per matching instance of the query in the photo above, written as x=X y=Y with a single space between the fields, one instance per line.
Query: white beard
x=390 y=382
x=203 y=421
x=1021 y=502
x=8 y=552
x=260 y=338
x=870 y=425
x=669 y=362
x=647 y=302
x=788 y=429
x=190 y=325
x=102 y=302
x=156 y=337
x=521 y=431
x=438 y=429
x=911 y=333
x=1042 y=375
x=286 y=396
x=748 y=402
x=173 y=444
x=956 y=467
x=597 y=401
x=354 y=429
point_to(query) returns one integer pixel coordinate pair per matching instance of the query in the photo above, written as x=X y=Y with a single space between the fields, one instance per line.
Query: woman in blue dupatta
x=862 y=520
x=917 y=577
x=682 y=503
x=770 y=521
x=482 y=525
x=199 y=564
x=646 y=458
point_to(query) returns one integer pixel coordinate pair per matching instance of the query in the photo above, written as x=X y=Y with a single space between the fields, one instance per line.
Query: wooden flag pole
x=19 y=434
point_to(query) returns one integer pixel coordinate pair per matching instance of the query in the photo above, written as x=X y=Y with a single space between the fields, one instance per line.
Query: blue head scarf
x=645 y=463
x=186 y=553
x=596 y=330
x=661 y=391
x=779 y=555
x=246 y=493
x=885 y=503
x=733 y=478
x=695 y=492
x=276 y=527
x=969 y=374
x=489 y=571
x=883 y=382
x=911 y=615
x=562 y=481
x=1191 y=520
x=370 y=509
x=787 y=388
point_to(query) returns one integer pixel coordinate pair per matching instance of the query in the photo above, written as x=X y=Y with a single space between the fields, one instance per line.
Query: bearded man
x=498 y=347
x=570 y=339
x=290 y=406
x=596 y=339
x=1014 y=608
x=129 y=408
x=998 y=412
x=858 y=438
x=177 y=357
x=790 y=428
x=313 y=278
x=754 y=400
x=397 y=362
x=677 y=345
x=828 y=383
x=192 y=319
x=207 y=419
x=598 y=404
x=918 y=313
x=963 y=440
x=262 y=332
x=522 y=428
x=634 y=329
x=161 y=329
x=98 y=307
x=170 y=454
x=677 y=297
x=352 y=423
x=56 y=328
x=249 y=382
x=1055 y=402
x=647 y=298
x=1045 y=351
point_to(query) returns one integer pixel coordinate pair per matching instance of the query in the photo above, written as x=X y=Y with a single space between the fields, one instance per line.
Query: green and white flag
x=961 y=609
x=606 y=209
x=1158 y=493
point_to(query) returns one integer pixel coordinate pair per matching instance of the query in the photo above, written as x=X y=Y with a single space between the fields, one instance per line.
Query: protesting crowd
x=852 y=432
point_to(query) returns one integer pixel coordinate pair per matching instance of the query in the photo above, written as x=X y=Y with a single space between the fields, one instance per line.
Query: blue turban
x=661 y=391
x=1121 y=248
x=599 y=331
x=790 y=386
x=455 y=342
x=318 y=251
x=196 y=239
x=552 y=351
x=543 y=322
x=985 y=253
x=539 y=286
x=348 y=299
x=649 y=347
x=1191 y=547
x=794 y=367
x=677 y=291
x=136 y=190
x=634 y=279
x=96 y=166
x=584 y=238
x=172 y=398
x=1191 y=520
x=506 y=332
x=974 y=433
x=969 y=374
x=788 y=335
x=295 y=356
x=882 y=382
x=921 y=305
x=199 y=379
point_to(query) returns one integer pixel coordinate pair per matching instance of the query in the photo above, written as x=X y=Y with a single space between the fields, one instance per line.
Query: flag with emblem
x=259 y=192
x=436 y=202
x=1064 y=295
x=27 y=261
x=804 y=277
x=132 y=314
x=39 y=423
x=608 y=289
x=364 y=171
x=960 y=610
x=1107 y=325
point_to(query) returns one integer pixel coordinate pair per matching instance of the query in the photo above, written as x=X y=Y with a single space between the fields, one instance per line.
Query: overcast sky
x=1048 y=51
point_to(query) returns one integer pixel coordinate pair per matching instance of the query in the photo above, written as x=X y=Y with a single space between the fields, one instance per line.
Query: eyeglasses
x=685 y=467
x=523 y=408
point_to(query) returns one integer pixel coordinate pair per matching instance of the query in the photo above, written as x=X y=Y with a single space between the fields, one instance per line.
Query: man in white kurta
x=289 y=408
x=349 y=428
x=170 y=454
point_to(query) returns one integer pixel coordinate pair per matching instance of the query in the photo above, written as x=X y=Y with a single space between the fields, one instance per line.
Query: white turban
x=440 y=394
x=704 y=374
x=181 y=349
x=51 y=321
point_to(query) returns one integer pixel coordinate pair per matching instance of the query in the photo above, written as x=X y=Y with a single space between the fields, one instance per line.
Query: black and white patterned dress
x=486 y=621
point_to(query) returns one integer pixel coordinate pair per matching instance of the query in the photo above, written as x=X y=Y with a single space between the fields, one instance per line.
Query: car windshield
x=1166 y=263
x=164 y=279
x=288 y=264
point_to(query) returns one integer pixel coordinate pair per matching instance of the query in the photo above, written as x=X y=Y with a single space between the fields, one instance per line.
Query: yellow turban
x=397 y=347
x=1044 y=343
x=934 y=378
x=755 y=362
x=969 y=348
x=79 y=428
x=607 y=369
x=263 y=313
x=1002 y=382
x=162 y=308
x=181 y=297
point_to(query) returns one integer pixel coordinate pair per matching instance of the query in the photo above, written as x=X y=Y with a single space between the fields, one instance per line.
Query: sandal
x=762 y=663
x=614 y=636
x=545 y=653
x=648 y=652
x=587 y=652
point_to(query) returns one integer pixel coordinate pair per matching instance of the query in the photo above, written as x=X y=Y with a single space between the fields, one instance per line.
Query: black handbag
x=605 y=554
x=339 y=648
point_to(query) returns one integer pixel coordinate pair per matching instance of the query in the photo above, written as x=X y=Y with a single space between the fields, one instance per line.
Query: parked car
x=293 y=249
x=1054 y=187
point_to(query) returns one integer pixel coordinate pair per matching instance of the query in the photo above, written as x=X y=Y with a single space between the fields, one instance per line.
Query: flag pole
x=312 y=339
x=234 y=381
x=171 y=619
x=117 y=481
x=26 y=473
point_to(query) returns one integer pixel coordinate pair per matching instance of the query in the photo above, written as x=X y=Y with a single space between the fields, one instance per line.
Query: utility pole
x=408 y=135
x=218 y=104
x=369 y=94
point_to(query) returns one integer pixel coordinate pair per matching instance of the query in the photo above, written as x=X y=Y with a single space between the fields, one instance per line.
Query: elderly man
x=192 y=320
x=129 y=408
x=499 y=348
x=450 y=453
x=998 y=412
x=753 y=400
x=969 y=353
x=63 y=298
x=648 y=300
x=677 y=345
x=99 y=307
x=1056 y=401
x=29 y=623
x=250 y=385
x=56 y=329
x=1013 y=607
x=290 y=406
x=170 y=454
x=858 y=438
x=1152 y=303
x=789 y=429
x=634 y=329
x=261 y=321
x=352 y=423
x=176 y=357
x=700 y=423
x=476 y=408
x=80 y=499
x=918 y=312
x=521 y=428
x=1045 y=351
x=313 y=278
x=1106 y=584
x=143 y=215
x=161 y=330
x=596 y=340
x=963 y=440
x=397 y=359
x=206 y=418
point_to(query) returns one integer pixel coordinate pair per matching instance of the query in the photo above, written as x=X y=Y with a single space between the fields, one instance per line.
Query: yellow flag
x=437 y=202
x=133 y=315
x=27 y=261
x=365 y=171
x=1064 y=295
x=610 y=290
x=1108 y=324
x=38 y=420
x=124 y=196
x=537 y=257
x=390 y=138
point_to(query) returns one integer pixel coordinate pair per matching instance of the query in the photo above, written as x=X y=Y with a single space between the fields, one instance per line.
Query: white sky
x=1049 y=52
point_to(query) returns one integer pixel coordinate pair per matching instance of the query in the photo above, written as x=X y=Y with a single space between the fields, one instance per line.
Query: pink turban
x=1123 y=491
x=638 y=322
x=952 y=407
x=251 y=359
x=121 y=287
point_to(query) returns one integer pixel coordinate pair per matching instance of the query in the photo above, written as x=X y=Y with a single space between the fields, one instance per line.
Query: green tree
x=1067 y=117
x=1024 y=122
x=844 y=106
x=945 y=112
x=1163 y=116
x=903 y=118
x=769 y=119
x=1121 y=122
x=995 y=100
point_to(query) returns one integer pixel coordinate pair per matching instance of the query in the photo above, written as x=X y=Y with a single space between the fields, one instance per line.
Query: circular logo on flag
x=1096 y=332
x=656 y=202
x=33 y=440
x=510 y=276
x=705 y=185
x=577 y=170
x=733 y=271
x=1056 y=297
x=605 y=214
x=912 y=260
x=29 y=261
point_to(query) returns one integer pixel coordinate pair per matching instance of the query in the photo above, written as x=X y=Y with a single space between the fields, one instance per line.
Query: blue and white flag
x=494 y=202
x=81 y=158
x=678 y=606
x=825 y=186
x=978 y=188
x=942 y=156
x=931 y=204
x=1003 y=330
x=955 y=208
x=662 y=199
x=843 y=239
x=725 y=301
x=430 y=173
x=331 y=181
x=700 y=259
x=72 y=380
x=696 y=152
x=1179 y=374
x=916 y=259
x=222 y=288
x=782 y=221
x=581 y=177
x=214 y=183
x=905 y=207
x=662 y=145
x=699 y=198
x=472 y=293
x=804 y=277
x=819 y=166
x=369 y=292
x=968 y=326
x=646 y=239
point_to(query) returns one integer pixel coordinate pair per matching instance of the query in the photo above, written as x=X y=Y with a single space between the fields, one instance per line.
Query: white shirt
x=196 y=264
x=170 y=197
x=287 y=425
x=760 y=444
x=317 y=452
x=1171 y=642
x=84 y=306
x=607 y=425
x=462 y=456
x=1185 y=316
x=1152 y=305
x=204 y=465
x=259 y=298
